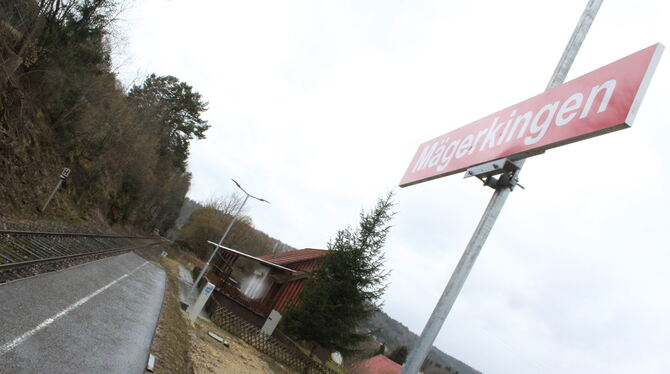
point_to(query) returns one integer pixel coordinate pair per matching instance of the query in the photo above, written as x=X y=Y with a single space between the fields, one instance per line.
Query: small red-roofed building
x=276 y=282
x=378 y=364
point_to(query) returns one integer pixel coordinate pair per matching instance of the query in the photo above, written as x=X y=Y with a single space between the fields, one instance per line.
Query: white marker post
x=195 y=309
x=271 y=323
x=421 y=349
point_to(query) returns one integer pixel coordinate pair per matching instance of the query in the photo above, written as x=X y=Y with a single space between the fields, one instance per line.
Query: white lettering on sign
x=530 y=126
x=604 y=100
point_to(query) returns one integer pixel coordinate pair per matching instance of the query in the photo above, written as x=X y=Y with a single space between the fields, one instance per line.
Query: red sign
x=599 y=102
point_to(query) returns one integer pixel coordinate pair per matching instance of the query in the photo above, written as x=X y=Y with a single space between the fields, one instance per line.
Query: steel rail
x=14 y=265
x=23 y=248
x=72 y=234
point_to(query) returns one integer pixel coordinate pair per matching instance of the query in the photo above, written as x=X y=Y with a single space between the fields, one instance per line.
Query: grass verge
x=171 y=341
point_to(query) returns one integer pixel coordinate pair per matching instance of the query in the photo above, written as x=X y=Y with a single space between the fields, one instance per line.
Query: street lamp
x=235 y=217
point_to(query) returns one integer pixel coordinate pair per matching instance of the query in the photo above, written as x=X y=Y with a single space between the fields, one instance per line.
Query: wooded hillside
x=61 y=105
x=394 y=334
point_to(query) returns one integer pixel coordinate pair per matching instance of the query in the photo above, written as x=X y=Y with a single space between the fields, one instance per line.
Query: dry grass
x=172 y=340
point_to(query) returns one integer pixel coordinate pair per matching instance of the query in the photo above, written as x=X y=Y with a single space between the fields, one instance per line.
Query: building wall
x=256 y=285
x=289 y=295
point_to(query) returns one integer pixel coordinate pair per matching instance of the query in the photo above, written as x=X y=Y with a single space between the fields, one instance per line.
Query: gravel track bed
x=45 y=267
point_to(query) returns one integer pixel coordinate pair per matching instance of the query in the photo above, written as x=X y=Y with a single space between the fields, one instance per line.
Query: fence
x=289 y=356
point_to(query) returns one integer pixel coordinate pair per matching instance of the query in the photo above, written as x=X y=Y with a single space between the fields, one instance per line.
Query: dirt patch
x=212 y=357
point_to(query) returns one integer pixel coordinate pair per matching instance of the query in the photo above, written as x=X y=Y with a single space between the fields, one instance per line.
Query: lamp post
x=230 y=226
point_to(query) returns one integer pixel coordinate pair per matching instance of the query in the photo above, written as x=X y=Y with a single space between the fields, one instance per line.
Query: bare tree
x=228 y=205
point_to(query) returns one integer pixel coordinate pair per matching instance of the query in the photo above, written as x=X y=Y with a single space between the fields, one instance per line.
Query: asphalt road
x=94 y=318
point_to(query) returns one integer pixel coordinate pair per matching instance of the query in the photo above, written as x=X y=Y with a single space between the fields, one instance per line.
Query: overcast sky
x=319 y=106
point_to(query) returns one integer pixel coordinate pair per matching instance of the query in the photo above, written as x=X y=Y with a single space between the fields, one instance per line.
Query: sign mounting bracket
x=499 y=173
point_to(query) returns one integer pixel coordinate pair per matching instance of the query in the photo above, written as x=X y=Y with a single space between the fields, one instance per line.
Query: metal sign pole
x=63 y=176
x=423 y=345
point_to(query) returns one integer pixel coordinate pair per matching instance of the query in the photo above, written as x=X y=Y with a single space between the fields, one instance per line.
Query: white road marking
x=14 y=343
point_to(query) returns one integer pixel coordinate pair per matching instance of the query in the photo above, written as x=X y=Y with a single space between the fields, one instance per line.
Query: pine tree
x=399 y=354
x=173 y=110
x=347 y=287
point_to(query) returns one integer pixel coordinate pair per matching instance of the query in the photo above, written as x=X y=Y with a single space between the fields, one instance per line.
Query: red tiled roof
x=378 y=364
x=292 y=257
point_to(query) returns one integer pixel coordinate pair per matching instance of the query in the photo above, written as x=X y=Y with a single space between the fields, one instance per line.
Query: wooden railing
x=287 y=355
x=255 y=305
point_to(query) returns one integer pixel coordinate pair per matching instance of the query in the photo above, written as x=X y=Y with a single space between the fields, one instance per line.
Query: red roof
x=292 y=257
x=259 y=259
x=379 y=364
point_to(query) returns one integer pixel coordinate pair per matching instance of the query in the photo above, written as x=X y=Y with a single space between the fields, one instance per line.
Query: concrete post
x=271 y=323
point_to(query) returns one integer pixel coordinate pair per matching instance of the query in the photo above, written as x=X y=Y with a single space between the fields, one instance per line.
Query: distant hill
x=394 y=334
x=198 y=222
x=281 y=247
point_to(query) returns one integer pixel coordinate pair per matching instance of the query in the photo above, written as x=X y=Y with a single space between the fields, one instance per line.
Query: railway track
x=26 y=253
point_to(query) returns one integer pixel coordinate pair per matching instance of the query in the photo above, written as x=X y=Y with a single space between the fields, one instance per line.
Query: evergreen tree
x=399 y=354
x=347 y=287
x=380 y=351
x=173 y=110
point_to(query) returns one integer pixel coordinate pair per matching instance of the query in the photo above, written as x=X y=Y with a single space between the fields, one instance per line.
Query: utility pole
x=421 y=349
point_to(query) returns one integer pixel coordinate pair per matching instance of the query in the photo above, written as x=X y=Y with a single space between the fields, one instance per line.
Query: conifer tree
x=399 y=355
x=174 y=111
x=347 y=287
